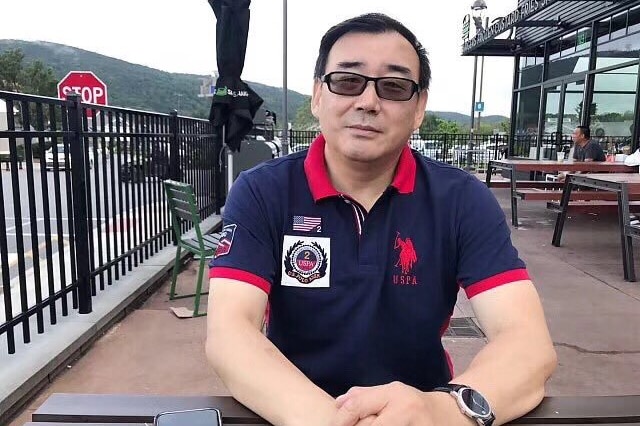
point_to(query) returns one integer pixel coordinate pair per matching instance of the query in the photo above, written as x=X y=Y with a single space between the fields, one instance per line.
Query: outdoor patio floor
x=593 y=314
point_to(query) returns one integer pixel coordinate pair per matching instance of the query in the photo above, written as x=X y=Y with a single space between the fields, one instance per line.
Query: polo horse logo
x=407 y=256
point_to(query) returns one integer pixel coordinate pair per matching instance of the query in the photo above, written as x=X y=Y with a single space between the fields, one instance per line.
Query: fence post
x=79 y=191
x=174 y=147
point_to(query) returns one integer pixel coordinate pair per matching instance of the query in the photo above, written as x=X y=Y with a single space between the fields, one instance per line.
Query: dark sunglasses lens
x=346 y=84
x=395 y=89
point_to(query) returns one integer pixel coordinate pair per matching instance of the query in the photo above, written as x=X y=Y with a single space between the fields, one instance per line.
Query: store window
x=633 y=20
x=531 y=66
x=618 y=51
x=527 y=112
x=613 y=105
x=619 y=25
x=526 y=129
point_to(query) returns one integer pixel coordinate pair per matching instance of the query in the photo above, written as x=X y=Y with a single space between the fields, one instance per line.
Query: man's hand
x=397 y=404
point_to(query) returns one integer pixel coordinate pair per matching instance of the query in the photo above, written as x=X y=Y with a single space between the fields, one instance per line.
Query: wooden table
x=623 y=184
x=141 y=409
x=514 y=166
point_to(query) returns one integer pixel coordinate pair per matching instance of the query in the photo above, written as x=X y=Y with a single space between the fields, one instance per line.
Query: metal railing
x=88 y=205
x=461 y=150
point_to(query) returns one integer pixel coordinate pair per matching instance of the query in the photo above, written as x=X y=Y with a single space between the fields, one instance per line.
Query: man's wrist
x=446 y=411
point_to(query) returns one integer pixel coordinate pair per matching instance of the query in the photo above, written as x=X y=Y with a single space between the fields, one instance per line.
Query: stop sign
x=86 y=84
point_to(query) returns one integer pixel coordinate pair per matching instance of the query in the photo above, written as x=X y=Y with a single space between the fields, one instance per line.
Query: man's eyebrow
x=350 y=64
x=399 y=68
x=390 y=67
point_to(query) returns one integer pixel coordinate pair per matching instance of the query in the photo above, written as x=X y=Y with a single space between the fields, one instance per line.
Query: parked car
x=58 y=150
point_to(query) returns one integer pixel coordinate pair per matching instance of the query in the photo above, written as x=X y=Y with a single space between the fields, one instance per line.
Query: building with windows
x=568 y=55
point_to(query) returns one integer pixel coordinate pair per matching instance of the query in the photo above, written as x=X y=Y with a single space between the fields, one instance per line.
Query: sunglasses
x=352 y=84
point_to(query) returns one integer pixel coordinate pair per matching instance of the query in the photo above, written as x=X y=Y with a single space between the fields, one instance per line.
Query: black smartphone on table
x=195 y=417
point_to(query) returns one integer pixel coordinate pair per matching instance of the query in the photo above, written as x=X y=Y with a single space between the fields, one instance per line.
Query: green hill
x=464 y=119
x=139 y=87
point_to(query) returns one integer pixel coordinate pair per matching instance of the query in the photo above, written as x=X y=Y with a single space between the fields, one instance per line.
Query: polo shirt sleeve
x=486 y=255
x=245 y=252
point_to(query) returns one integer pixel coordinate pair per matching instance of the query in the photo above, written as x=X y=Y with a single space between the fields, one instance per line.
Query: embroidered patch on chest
x=407 y=258
x=305 y=261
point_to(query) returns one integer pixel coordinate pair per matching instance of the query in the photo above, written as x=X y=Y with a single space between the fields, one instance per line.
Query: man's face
x=368 y=128
x=577 y=136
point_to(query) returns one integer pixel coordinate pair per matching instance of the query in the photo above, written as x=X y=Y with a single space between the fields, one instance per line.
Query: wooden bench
x=594 y=206
x=139 y=409
x=527 y=184
x=551 y=195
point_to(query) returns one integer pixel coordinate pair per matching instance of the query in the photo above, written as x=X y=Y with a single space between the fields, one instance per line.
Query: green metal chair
x=183 y=207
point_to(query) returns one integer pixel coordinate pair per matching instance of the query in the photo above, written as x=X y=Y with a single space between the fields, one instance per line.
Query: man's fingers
x=367 y=421
x=358 y=404
x=389 y=418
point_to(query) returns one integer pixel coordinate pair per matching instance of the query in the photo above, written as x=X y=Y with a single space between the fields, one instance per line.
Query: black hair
x=585 y=131
x=372 y=23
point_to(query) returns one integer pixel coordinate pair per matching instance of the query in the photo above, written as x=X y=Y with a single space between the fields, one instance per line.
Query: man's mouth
x=365 y=128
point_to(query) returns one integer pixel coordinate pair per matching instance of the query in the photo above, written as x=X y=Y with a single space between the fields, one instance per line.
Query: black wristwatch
x=471 y=403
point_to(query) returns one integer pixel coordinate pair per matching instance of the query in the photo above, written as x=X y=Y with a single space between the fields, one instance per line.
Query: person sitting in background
x=585 y=148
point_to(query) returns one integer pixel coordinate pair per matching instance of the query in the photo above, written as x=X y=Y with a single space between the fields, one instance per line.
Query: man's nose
x=368 y=100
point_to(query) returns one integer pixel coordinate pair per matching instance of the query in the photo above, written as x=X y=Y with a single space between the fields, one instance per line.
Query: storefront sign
x=506 y=22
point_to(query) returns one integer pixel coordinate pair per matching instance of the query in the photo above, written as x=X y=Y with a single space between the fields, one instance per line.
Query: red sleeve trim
x=240 y=275
x=496 y=280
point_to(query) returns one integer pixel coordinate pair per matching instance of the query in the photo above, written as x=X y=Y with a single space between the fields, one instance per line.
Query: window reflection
x=531 y=67
x=526 y=121
x=612 y=109
x=618 y=51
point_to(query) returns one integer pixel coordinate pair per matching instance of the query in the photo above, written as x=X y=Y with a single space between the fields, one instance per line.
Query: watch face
x=476 y=402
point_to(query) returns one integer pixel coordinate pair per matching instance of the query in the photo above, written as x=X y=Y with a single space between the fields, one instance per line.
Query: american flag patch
x=307 y=223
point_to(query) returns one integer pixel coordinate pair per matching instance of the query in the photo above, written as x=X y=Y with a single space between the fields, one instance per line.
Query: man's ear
x=315 y=97
x=420 y=108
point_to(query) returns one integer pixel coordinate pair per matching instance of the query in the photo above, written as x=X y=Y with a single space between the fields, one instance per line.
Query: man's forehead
x=351 y=52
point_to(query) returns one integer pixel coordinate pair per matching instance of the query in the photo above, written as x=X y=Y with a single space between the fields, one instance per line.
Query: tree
x=447 y=126
x=35 y=79
x=39 y=79
x=429 y=124
x=505 y=126
x=304 y=118
x=11 y=69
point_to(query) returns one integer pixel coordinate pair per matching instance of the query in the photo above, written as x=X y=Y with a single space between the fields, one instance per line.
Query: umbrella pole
x=229 y=160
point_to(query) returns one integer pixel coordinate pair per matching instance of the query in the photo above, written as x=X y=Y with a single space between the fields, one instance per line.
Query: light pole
x=477 y=11
x=285 y=127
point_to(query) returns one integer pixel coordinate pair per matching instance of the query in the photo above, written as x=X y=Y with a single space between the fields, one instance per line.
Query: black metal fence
x=88 y=204
x=461 y=150
x=473 y=152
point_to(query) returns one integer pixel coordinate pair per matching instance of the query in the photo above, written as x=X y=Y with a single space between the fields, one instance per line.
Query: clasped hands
x=396 y=404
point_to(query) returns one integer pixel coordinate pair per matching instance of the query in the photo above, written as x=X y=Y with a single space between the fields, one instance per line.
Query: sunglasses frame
x=327 y=79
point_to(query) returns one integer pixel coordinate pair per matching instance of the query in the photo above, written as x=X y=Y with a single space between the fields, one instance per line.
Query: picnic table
x=513 y=166
x=136 y=410
x=626 y=186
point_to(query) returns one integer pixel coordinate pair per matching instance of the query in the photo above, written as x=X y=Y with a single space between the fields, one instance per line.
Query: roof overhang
x=542 y=18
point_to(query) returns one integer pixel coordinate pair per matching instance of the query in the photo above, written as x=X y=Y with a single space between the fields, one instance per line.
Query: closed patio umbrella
x=234 y=103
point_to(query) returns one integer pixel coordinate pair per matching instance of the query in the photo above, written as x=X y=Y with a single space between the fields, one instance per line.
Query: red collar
x=321 y=186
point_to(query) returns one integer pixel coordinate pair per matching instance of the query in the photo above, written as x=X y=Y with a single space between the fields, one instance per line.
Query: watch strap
x=449 y=387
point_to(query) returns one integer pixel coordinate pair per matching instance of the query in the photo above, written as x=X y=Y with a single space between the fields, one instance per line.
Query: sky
x=179 y=36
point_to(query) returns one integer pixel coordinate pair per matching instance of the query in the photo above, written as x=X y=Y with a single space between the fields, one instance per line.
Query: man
x=586 y=149
x=359 y=247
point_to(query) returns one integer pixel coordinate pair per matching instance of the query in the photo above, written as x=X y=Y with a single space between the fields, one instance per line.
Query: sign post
x=87 y=85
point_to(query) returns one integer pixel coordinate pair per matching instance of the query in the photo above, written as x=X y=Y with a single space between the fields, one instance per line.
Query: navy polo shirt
x=362 y=298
